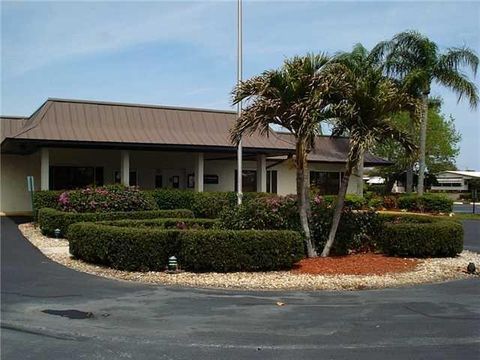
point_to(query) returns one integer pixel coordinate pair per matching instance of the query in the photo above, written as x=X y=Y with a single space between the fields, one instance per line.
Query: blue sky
x=183 y=53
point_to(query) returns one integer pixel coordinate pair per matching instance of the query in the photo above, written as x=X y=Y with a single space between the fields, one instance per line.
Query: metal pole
x=239 y=105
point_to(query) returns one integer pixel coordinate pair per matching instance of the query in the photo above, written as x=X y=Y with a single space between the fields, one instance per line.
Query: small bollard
x=57 y=233
x=172 y=263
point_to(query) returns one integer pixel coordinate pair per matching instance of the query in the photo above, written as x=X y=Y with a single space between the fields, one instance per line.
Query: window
x=74 y=177
x=326 y=183
x=249 y=181
x=272 y=181
x=132 y=178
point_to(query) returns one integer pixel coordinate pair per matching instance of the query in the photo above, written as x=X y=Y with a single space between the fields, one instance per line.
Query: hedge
x=148 y=249
x=203 y=204
x=51 y=219
x=427 y=203
x=45 y=199
x=167 y=223
x=434 y=239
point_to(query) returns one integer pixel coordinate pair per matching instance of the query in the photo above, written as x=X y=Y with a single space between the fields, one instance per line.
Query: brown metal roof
x=101 y=122
x=10 y=125
x=60 y=122
x=334 y=150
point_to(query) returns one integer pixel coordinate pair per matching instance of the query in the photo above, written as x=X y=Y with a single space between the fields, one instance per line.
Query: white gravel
x=428 y=271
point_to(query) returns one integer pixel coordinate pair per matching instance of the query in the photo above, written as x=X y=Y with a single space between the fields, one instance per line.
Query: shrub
x=390 y=202
x=426 y=203
x=51 y=219
x=181 y=224
x=123 y=248
x=356 y=231
x=211 y=204
x=437 y=203
x=168 y=199
x=427 y=239
x=148 y=249
x=105 y=199
x=354 y=202
x=247 y=250
x=204 y=204
x=266 y=213
x=45 y=199
x=402 y=218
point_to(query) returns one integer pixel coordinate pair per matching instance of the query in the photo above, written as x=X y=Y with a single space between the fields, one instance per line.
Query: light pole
x=239 y=105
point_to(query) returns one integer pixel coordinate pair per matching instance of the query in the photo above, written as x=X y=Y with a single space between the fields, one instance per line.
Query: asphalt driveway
x=130 y=321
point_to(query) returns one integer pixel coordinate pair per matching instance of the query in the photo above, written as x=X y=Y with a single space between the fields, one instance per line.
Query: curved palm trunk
x=303 y=196
x=423 y=141
x=338 y=210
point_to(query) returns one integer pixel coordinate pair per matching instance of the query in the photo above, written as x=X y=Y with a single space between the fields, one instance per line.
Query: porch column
x=44 y=169
x=199 y=172
x=125 y=168
x=261 y=173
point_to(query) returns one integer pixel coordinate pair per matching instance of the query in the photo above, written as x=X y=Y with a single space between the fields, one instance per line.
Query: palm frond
x=460 y=84
x=459 y=57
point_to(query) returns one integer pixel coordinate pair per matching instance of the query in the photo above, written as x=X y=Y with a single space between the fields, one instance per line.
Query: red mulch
x=355 y=264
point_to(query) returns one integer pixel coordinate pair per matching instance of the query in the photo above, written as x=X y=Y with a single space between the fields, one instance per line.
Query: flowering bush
x=106 y=199
x=264 y=213
x=281 y=213
x=355 y=232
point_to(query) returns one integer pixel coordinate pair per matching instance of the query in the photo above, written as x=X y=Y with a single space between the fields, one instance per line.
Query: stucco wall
x=14 y=197
x=15 y=169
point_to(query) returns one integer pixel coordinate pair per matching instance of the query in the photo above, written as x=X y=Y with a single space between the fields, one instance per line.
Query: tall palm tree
x=365 y=115
x=294 y=97
x=417 y=61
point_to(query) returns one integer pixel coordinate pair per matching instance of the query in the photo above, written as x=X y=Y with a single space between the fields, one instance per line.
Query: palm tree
x=365 y=115
x=294 y=97
x=417 y=61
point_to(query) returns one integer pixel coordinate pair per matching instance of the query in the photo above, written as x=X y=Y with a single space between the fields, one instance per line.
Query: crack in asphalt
x=443 y=317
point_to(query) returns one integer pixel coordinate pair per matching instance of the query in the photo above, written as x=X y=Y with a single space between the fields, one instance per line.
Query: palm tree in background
x=417 y=62
x=365 y=114
x=296 y=97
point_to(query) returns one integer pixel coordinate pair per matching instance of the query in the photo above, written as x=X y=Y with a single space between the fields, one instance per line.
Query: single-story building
x=455 y=181
x=68 y=144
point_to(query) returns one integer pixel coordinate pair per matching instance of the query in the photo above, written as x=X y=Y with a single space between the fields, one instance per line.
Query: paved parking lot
x=120 y=320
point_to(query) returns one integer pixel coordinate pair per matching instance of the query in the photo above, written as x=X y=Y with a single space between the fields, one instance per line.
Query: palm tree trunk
x=409 y=182
x=338 y=210
x=423 y=142
x=303 y=198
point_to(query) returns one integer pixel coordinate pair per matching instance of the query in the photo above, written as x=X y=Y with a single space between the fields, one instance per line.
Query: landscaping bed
x=356 y=264
x=425 y=271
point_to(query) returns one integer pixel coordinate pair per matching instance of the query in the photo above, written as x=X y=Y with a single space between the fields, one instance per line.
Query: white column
x=125 y=168
x=261 y=173
x=199 y=172
x=44 y=169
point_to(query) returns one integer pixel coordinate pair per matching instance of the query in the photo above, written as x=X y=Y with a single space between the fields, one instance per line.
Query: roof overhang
x=28 y=146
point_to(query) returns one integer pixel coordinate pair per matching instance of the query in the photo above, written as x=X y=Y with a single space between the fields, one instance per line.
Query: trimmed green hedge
x=422 y=237
x=148 y=249
x=45 y=199
x=51 y=219
x=203 y=204
x=168 y=223
x=427 y=203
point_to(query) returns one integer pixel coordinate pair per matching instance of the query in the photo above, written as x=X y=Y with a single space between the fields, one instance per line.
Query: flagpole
x=239 y=105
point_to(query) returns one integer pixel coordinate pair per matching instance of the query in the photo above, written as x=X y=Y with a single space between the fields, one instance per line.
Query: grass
x=464 y=216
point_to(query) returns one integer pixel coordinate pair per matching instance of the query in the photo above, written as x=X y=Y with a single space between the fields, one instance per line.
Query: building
x=455 y=181
x=68 y=144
